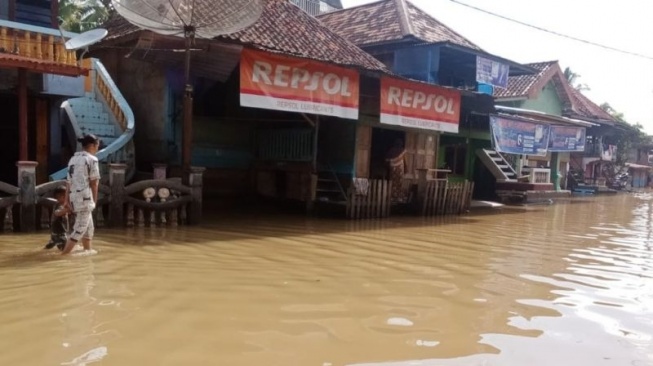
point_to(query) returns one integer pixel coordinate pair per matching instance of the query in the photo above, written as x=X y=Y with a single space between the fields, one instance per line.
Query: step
x=98 y=129
x=326 y=190
x=100 y=118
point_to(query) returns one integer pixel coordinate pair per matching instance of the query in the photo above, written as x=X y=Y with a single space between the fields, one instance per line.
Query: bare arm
x=62 y=211
x=67 y=196
x=94 y=188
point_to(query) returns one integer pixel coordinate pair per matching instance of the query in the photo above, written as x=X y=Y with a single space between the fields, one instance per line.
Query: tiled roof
x=522 y=86
x=283 y=28
x=575 y=104
x=391 y=20
x=584 y=107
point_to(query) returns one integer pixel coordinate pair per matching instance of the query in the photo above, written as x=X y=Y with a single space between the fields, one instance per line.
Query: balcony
x=36 y=49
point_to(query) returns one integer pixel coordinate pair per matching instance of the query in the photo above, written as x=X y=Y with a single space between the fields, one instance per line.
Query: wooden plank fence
x=447 y=198
x=375 y=204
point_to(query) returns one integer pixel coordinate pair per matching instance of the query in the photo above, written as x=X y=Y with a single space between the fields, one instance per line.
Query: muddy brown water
x=567 y=284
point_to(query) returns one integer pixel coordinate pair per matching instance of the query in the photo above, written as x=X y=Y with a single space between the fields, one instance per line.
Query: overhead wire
x=542 y=29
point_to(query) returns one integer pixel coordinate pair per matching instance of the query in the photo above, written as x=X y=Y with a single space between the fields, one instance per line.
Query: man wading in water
x=82 y=182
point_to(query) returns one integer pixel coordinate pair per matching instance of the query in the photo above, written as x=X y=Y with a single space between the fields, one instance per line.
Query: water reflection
x=567 y=284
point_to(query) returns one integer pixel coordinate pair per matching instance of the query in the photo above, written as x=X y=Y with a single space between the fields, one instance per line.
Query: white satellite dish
x=86 y=39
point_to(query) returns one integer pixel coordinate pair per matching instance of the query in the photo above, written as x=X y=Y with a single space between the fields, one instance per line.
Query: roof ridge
x=349 y=8
x=543 y=62
x=405 y=21
x=452 y=30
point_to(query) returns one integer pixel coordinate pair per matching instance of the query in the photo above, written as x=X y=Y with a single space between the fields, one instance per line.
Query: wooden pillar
x=555 y=170
x=22 y=115
x=117 y=184
x=315 y=142
x=187 y=133
x=421 y=188
x=195 y=175
x=42 y=145
x=27 y=195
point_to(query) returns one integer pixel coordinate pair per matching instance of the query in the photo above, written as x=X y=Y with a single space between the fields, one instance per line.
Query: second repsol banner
x=417 y=105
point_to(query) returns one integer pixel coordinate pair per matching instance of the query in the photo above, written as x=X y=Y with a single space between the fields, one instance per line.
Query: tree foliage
x=572 y=78
x=82 y=15
x=627 y=136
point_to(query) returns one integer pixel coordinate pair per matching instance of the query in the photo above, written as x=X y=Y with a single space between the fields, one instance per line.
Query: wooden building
x=36 y=73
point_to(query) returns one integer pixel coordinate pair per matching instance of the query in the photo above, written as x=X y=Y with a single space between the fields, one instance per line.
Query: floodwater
x=566 y=284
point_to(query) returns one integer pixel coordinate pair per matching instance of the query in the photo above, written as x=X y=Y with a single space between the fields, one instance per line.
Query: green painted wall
x=547 y=102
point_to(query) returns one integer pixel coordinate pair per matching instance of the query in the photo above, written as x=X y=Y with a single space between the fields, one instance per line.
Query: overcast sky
x=624 y=81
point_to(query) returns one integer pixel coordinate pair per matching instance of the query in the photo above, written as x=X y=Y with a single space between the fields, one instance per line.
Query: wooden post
x=22 y=114
x=27 y=195
x=42 y=146
x=195 y=175
x=421 y=189
x=117 y=183
x=187 y=132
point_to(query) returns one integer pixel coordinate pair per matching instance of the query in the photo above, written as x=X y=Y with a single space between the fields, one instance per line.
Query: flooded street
x=567 y=284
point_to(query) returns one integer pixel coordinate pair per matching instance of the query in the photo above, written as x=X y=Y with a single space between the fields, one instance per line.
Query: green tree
x=82 y=15
x=572 y=78
x=627 y=136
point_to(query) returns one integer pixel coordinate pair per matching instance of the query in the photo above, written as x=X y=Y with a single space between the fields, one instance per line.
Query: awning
x=541 y=117
x=11 y=61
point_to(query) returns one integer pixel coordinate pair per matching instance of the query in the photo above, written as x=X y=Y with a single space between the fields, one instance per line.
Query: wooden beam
x=12 y=10
x=310 y=122
x=54 y=10
x=42 y=145
x=22 y=115
x=9 y=61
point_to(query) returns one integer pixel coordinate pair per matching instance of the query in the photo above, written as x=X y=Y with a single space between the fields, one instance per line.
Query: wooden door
x=363 y=151
x=421 y=152
x=411 y=151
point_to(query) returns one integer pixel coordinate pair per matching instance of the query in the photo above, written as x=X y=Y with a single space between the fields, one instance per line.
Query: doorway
x=9 y=138
x=383 y=140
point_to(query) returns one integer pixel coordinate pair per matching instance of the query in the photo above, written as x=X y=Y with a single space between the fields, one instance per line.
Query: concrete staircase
x=104 y=112
x=498 y=166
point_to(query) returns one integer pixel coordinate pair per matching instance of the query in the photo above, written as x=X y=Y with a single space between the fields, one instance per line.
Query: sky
x=624 y=81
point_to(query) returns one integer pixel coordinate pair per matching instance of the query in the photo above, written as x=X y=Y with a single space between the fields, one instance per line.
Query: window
x=455 y=158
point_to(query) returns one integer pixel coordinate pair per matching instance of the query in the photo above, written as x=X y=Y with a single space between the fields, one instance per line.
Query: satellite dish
x=204 y=18
x=86 y=39
x=190 y=19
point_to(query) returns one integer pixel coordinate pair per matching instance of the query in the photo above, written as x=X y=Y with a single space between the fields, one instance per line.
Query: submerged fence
x=441 y=197
x=446 y=198
x=159 y=201
x=372 y=201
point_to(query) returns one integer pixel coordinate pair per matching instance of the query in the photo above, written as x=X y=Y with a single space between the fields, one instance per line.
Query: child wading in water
x=60 y=223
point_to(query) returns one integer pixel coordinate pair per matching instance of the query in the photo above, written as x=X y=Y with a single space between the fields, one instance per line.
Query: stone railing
x=153 y=202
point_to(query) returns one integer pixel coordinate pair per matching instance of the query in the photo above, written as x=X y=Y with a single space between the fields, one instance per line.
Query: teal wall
x=547 y=101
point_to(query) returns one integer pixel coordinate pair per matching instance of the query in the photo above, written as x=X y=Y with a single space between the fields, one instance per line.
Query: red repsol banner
x=411 y=104
x=290 y=84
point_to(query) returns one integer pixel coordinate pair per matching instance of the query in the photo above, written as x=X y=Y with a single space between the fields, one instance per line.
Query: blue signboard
x=567 y=139
x=491 y=72
x=519 y=137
